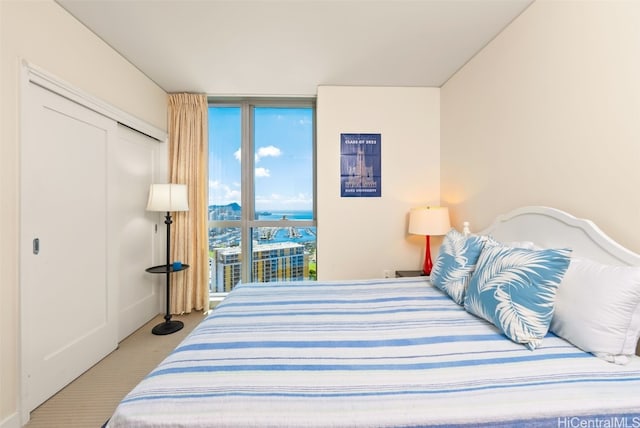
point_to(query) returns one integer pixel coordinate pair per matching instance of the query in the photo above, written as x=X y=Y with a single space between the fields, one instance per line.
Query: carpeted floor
x=91 y=399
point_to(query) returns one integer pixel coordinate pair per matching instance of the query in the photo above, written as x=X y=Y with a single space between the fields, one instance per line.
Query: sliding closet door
x=135 y=161
x=68 y=296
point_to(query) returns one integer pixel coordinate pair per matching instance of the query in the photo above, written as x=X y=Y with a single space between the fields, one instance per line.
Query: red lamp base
x=428 y=265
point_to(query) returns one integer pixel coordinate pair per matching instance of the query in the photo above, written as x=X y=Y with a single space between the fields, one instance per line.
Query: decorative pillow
x=455 y=263
x=515 y=288
x=598 y=309
x=528 y=245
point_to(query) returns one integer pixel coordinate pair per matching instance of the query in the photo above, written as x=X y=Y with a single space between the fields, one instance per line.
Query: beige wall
x=361 y=237
x=549 y=114
x=42 y=33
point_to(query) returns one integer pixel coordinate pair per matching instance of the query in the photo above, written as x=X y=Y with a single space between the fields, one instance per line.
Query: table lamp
x=429 y=221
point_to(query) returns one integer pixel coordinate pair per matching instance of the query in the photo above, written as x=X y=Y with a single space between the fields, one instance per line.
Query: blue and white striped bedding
x=375 y=353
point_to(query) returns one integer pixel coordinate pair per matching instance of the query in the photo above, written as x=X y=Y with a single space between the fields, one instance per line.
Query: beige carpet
x=91 y=399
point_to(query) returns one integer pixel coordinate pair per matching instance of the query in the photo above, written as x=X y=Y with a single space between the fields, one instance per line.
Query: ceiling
x=290 y=47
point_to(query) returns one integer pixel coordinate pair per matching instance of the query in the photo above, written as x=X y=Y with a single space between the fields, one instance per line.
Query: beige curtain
x=188 y=165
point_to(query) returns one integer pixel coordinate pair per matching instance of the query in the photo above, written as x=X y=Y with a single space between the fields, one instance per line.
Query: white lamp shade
x=432 y=221
x=168 y=197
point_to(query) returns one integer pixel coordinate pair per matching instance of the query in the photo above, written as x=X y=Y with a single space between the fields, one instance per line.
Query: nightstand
x=407 y=273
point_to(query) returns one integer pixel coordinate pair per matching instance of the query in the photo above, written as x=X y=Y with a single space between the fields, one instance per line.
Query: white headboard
x=552 y=228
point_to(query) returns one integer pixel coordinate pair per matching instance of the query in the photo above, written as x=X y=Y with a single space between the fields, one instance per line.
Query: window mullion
x=248 y=168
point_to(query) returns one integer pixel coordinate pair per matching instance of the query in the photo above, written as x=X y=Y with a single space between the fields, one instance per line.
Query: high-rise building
x=282 y=261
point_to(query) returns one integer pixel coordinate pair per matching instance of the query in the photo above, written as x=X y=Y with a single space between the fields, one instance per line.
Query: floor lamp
x=168 y=198
x=429 y=221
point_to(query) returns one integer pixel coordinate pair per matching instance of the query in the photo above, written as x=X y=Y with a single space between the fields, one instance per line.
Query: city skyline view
x=282 y=181
x=282 y=157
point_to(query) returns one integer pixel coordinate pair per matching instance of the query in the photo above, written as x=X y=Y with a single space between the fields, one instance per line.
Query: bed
x=403 y=353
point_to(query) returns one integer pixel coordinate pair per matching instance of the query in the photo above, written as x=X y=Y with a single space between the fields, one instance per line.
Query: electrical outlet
x=387 y=273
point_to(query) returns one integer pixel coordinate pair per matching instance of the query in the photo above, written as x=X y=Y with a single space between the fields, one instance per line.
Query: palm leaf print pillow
x=455 y=263
x=515 y=288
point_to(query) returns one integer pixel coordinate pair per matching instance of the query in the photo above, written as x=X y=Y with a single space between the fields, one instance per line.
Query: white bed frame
x=553 y=228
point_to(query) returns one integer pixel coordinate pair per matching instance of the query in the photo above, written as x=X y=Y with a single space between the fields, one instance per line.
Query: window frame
x=248 y=220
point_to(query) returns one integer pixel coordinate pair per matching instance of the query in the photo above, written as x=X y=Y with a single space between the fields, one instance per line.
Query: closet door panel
x=134 y=162
x=68 y=296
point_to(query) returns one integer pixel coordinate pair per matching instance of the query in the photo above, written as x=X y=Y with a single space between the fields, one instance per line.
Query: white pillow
x=527 y=245
x=597 y=309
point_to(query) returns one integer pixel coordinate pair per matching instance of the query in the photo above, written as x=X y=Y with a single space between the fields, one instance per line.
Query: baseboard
x=11 y=421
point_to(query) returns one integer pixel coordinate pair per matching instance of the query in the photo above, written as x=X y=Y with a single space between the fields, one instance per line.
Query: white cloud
x=299 y=201
x=262 y=172
x=268 y=151
x=263 y=152
x=222 y=194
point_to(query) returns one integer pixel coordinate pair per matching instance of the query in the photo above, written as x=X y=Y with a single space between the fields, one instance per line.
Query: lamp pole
x=167 y=221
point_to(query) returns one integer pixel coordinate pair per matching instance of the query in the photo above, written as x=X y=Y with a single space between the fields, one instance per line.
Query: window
x=262 y=222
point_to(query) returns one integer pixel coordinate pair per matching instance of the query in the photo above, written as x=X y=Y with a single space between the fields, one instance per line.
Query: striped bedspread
x=375 y=353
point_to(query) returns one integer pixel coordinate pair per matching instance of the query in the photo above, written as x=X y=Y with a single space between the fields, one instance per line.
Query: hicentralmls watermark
x=599 y=422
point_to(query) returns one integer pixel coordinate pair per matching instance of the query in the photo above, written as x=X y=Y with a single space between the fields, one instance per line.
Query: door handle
x=36 y=246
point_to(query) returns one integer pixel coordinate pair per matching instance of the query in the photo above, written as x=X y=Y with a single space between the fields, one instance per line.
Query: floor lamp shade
x=168 y=197
x=429 y=221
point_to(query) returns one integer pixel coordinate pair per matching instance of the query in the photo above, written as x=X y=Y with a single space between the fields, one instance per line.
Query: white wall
x=549 y=114
x=42 y=33
x=360 y=237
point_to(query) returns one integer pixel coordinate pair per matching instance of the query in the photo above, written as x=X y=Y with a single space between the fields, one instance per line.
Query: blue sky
x=283 y=157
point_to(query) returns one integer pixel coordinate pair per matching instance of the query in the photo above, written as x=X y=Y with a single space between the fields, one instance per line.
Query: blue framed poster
x=360 y=165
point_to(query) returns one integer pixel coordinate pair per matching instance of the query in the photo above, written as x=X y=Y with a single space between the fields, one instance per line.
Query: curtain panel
x=188 y=155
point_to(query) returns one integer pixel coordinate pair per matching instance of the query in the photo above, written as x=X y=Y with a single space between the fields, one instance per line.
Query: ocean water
x=305 y=234
x=290 y=215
